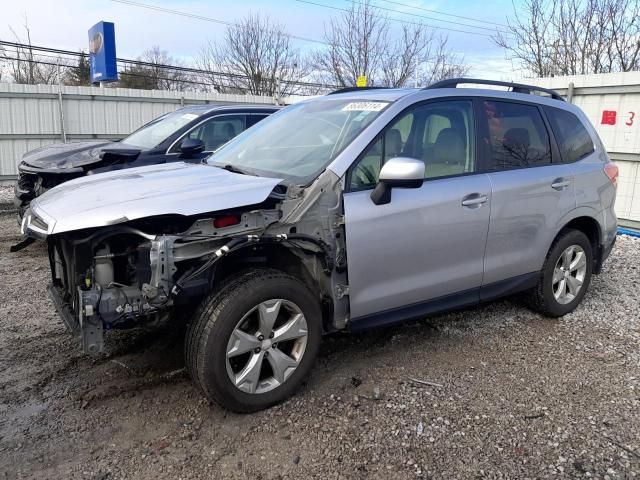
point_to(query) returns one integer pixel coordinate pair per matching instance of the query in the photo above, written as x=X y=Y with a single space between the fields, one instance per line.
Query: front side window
x=573 y=139
x=517 y=136
x=298 y=142
x=440 y=134
x=157 y=131
x=215 y=132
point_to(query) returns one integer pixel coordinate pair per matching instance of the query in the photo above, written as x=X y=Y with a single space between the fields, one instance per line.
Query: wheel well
x=590 y=227
x=296 y=262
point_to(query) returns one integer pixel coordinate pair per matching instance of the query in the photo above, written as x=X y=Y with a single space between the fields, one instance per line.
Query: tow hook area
x=90 y=323
x=21 y=245
x=107 y=308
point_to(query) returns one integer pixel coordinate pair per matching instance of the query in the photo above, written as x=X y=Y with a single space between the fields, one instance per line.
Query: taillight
x=611 y=170
x=226 y=221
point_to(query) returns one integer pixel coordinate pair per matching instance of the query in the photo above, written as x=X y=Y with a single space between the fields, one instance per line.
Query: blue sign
x=102 y=53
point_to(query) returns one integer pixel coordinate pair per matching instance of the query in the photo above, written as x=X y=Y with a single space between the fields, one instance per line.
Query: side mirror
x=191 y=146
x=399 y=172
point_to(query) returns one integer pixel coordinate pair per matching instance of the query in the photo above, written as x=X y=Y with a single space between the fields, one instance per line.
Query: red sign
x=608 y=117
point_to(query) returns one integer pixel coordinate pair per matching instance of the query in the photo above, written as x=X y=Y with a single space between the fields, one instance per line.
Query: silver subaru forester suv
x=358 y=209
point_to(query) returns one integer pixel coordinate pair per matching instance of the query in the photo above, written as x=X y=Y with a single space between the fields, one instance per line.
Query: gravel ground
x=6 y=197
x=519 y=396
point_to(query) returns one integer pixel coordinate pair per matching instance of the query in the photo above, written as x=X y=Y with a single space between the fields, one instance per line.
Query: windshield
x=299 y=141
x=158 y=130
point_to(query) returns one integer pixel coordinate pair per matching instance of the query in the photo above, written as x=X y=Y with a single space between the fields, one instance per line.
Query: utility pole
x=63 y=133
x=278 y=91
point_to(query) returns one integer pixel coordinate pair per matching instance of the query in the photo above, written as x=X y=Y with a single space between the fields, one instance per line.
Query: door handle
x=474 y=200
x=560 y=184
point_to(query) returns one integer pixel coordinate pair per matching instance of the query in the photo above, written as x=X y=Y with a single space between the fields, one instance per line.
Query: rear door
x=531 y=188
x=428 y=242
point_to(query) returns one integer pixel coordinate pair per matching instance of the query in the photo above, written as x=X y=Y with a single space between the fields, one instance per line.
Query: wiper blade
x=234 y=169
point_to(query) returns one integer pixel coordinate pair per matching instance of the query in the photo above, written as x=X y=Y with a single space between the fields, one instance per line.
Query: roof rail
x=515 y=87
x=353 y=89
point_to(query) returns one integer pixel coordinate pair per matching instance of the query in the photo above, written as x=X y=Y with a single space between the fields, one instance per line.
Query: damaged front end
x=120 y=276
x=39 y=175
x=33 y=182
x=154 y=269
x=97 y=282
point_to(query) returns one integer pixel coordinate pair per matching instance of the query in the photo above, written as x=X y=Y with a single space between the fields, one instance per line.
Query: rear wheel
x=566 y=275
x=253 y=343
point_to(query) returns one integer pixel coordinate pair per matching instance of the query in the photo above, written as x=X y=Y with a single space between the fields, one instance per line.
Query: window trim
x=211 y=118
x=387 y=127
x=483 y=132
x=556 y=158
x=560 y=156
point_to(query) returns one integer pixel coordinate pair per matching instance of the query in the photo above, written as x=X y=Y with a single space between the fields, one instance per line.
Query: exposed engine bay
x=156 y=269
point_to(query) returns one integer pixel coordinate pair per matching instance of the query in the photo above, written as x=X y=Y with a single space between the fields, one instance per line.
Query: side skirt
x=446 y=303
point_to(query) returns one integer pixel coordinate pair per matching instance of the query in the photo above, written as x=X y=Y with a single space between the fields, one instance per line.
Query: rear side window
x=518 y=137
x=573 y=139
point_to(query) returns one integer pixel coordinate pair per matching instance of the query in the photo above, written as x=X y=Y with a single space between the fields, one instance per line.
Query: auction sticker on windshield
x=364 y=106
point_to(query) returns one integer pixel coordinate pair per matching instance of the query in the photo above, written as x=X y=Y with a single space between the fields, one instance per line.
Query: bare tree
x=3 y=54
x=624 y=22
x=26 y=67
x=401 y=59
x=361 y=42
x=570 y=37
x=357 y=41
x=155 y=72
x=440 y=63
x=255 y=56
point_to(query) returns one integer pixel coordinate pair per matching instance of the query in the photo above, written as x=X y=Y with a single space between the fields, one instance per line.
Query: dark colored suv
x=188 y=134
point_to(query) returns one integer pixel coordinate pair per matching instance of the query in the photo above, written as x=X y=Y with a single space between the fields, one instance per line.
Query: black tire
x=541 y=298
x=215 y=321
x=196 y=325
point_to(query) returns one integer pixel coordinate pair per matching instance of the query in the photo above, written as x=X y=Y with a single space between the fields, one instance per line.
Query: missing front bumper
x=64 y=310
x=88 y=328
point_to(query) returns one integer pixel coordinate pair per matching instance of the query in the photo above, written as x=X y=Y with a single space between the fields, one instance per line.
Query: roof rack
x=515 y=87
x=353 y=89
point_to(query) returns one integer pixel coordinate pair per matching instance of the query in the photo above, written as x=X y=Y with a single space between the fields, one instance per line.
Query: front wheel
x=253 y=343
x=566 y=275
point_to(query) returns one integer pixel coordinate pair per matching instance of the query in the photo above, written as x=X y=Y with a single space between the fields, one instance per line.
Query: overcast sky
x=64 y=24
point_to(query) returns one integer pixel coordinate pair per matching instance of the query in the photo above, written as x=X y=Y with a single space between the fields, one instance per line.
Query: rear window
x=518 y=137
x=573 y=139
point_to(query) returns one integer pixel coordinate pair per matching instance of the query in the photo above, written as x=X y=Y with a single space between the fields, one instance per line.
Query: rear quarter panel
x=596 y=194
x=593 y=188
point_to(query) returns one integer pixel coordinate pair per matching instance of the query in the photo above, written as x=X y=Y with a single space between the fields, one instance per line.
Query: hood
x=175 y=188
x=70 y=155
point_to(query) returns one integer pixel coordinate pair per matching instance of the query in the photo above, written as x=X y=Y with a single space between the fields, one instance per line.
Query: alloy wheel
x=266 y=346
x=569 y=274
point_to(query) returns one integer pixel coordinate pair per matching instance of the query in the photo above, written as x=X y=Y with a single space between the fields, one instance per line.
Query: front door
x=427 y=243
